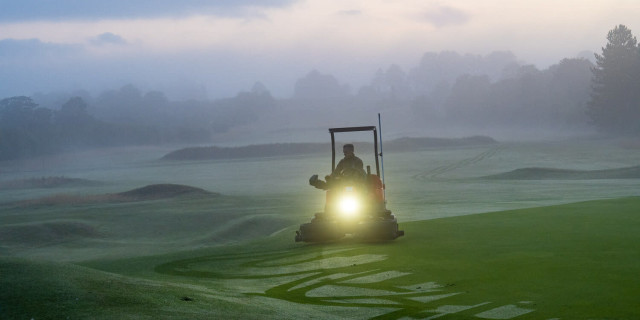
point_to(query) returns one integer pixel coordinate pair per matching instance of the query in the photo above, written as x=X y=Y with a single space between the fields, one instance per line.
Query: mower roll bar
x=332 y=131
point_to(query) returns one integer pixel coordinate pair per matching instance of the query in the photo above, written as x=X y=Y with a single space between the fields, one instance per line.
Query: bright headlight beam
x=349 y=206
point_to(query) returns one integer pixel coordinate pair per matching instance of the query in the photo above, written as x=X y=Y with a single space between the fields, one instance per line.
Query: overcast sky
x=225 y=46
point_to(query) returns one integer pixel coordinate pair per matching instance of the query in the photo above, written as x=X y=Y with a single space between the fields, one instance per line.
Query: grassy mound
x=83 y=231
x=46 y=182
x=288 y=149
x=150 y=192
x=70 y=199
x=565 y=174
x=161 y=191
x=263 y=150
x=37 y=234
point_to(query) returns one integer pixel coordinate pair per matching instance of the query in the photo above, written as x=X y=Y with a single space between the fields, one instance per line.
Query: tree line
x=118 y=118
x=444 y=88
x=498 y=91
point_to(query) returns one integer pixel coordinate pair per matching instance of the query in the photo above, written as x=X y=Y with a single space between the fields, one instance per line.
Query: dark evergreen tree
x=615 y=99
x=73 y=112
x=17 y=112
x=24 y=128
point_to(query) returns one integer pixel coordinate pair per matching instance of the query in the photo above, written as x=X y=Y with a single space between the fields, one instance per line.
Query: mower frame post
x=332 y=131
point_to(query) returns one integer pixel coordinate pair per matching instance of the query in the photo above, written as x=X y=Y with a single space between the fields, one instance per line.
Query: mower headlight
x=349 y=206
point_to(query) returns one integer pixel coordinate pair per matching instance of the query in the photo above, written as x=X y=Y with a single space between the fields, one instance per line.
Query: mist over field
x=155 y=159
x=229 y=74
x=446 y=95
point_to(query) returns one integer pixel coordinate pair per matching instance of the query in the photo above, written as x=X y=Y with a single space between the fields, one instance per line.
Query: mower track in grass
x=333 y=288
x=568 y=261
x=574 y=261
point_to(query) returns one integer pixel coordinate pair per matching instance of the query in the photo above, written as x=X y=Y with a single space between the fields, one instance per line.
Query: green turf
x=46 y=290
x=574 y=261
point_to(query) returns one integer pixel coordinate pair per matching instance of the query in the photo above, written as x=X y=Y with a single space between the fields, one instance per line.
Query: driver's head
x=348 y=150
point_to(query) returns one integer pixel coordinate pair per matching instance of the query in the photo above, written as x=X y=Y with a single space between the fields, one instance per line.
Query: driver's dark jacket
x=351 y=164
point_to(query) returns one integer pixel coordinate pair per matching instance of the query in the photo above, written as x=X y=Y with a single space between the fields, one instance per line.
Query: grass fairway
x=574 y=261
x=571 y=261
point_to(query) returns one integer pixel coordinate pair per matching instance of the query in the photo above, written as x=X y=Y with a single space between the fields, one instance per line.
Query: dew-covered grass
x=576 y=260
x=474 y=248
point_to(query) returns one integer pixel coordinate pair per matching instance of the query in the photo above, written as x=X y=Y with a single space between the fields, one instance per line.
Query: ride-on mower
x=354 y=206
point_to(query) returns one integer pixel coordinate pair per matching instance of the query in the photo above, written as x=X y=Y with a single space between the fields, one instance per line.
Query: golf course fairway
x=571 y=261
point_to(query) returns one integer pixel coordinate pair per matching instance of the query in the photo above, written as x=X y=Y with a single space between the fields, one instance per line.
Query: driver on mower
x=349 y=168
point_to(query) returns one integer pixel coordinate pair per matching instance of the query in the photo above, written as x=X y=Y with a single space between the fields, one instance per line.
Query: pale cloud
x=349 y=39
x=442 y=16
x=359 y=27
x=108 y=38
